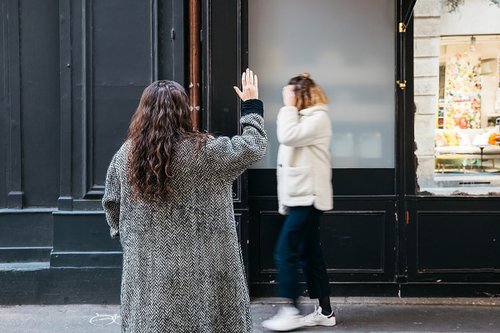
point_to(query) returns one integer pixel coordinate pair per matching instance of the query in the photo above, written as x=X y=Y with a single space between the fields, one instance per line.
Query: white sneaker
x=318 y=319
x=287 y=319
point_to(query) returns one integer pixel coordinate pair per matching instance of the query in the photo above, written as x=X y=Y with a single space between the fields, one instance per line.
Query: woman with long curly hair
x=168 y=198
x=304 y=192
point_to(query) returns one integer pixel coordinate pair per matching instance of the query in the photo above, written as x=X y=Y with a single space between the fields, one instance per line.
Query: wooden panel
x=13 y=104
x=110 y=47
x=453 y=241
x=241 y=218
x=60 y=286
x=81 y=239
x=269 y=225
x=30 y=86
x=172 y=34
x=346 y=249
x=221 y=63
x=25 y=235
x=358 y=240
x=120 y=62
x=25 y=228
x=109 y=54
x=39 y=45
x=65 y=200
x=82 y=231
x=4 y=93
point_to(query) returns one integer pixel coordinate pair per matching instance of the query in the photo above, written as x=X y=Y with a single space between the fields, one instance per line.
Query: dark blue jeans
x=299 y=246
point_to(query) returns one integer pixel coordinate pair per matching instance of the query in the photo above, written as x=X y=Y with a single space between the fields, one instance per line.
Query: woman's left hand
x=250 y=86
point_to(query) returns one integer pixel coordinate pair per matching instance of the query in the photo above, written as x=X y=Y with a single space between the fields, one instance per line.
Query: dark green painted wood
x=31 y=284
x=15 y=195
x=39 y=58
x=26 y=228
x=65 y=201
x=4 y=95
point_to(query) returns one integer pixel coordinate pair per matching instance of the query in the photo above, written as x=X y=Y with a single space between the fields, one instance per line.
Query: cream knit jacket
x=304 y=169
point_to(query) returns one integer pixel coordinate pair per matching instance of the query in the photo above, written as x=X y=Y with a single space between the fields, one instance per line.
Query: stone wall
x=427 y=15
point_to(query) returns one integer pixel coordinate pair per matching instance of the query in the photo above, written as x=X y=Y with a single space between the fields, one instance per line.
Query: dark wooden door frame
x=221 y=61
x=387 y=192
x=405 y=147
x=225 y=55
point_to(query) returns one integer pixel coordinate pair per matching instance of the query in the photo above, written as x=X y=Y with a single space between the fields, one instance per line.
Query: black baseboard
x=25 y=254
x=465 y=289
x=60 y=286
x=336 y=289
x=26 y=228
x=102 y=286
x=110 y=259
x=394 y=290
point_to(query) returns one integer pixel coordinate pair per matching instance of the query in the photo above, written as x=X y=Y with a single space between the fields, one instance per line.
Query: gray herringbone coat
x=182 y=265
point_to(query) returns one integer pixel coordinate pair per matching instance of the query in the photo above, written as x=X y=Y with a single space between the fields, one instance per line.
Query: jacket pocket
x=298 y=181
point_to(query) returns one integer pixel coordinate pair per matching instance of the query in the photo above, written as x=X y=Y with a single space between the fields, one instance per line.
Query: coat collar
x=309 y=111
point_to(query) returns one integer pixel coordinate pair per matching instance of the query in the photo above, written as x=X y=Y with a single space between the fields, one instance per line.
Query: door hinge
x=172 y=34
x=401 y=84
x=396 y=216
x=407 y=217
x=401 y=27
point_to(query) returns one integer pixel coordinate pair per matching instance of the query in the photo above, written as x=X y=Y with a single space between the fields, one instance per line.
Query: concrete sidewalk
x=354 y=315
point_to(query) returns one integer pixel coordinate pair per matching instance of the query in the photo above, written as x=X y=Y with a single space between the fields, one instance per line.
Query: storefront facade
x=79 y=67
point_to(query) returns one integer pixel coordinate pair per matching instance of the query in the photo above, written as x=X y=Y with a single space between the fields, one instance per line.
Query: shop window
x=457 y=97
x=467 y=153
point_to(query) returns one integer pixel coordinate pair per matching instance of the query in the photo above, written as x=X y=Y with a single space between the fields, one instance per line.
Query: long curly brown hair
x=307 y=92
x=162 y=119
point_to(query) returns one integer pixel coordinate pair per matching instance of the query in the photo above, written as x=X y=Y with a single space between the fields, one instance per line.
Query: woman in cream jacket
x=304 y=191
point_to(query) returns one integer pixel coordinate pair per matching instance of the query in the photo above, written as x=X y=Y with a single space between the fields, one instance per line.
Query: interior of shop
x=467 y=133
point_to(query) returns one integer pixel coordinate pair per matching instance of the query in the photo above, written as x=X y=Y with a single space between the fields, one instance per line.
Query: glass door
x=348 y=47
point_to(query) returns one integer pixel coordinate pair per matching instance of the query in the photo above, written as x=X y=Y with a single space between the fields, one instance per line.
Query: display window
x=457 y=96
x=468 y=111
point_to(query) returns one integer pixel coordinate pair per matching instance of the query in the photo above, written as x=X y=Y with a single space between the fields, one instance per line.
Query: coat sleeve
x=231 y=156
x=111 y=199
x=296 y=131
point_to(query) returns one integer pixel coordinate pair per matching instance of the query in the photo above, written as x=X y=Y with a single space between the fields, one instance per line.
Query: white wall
x=474 y=17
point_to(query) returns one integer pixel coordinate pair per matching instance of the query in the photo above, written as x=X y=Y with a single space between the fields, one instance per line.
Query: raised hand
x=250 y=86
x=288 y=95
